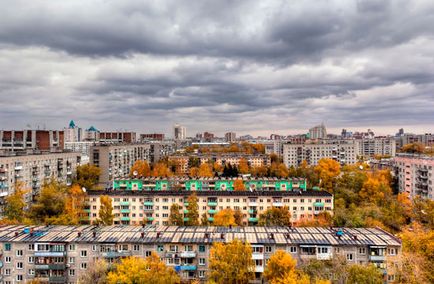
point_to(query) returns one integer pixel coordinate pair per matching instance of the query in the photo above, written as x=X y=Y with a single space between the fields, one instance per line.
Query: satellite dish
x=83 y=189
x=361 y=167
x=135 y=173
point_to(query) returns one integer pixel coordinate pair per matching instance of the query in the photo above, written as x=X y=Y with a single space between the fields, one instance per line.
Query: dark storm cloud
x=217 y=65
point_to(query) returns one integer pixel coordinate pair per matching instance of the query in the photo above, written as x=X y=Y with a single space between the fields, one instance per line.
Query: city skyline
x=248 y=67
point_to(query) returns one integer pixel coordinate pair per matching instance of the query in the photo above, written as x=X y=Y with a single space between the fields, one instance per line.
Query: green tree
x=88 y=176
x=231 y=263
x=364 y=274
x=175 y=217
x=50 y=203
x=105 y=211
x=193 y=210
x=275 y=216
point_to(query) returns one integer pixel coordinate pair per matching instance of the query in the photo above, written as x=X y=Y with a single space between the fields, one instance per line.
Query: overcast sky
x=255 y=67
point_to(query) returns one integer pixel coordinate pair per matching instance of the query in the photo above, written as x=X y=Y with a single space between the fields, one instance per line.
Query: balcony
x=377 y=258
x=113 y=254
x=125 y=210
x=253 y=203
x=212 y=211
x=277 y=204
x=18 y=168
x=253 y=219
x=50 y=253
x=57 y=279
x=188 y=254
x=186 y=267
x=185 y=211
x=186 y=219
x=150 y=218
x=259 y=269
x=185 y=203
x=148 y=203
x=211 y=219
x=318 y=204
x=212 y=203
x=252 y=211
x=125 y=218
x=124 y=203
x=51 y=266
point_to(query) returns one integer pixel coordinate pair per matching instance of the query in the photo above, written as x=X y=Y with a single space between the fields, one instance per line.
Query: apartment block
x=183 y=161
x=151 y=137
x=29 y=140
x=343 y=151
x=82 y=147
x=33 y=169
x=383 y=146
x=61 y=254
x=415 y=175
x=116 y=160
x=117 y=137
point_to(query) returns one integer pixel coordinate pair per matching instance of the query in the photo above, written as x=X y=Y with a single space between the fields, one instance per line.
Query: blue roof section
x=72 y=124
x=92 y=128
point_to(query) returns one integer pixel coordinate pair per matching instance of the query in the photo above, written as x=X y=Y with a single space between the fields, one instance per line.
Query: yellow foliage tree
x=15 y=204
x=225 y=218
x=231 y=263
x=106 y=210
x=281 y=269
x=151 y=270
x=205 y=170
x=141 y=168
x=194 y=172
x=161 y=170
x=74 y=206
x=243 y=166
x=328 y=171
x=239 y=185
x=217 y=167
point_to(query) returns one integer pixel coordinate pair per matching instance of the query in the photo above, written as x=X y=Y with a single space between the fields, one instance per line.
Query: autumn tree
x=141 y=168
x=204 y=220
x=134 y=270
x=238 y=215
x=376 y=188
x=243 y=166
x=413 y=148
x=328 y=171
x=96 y=273
x=218 y=168
x=260 y=171
x=161 y=170
x=224 y=218
x=175 y=217
x=193 y=210
x=275 y=216
x=231 y=263
x=15 y=204
x=194 y=172
x=205 y=170
x=239 y=185
x=105 y=211
x=88 y=176
x=74 y=206
x=50 y=203
x=281 y=269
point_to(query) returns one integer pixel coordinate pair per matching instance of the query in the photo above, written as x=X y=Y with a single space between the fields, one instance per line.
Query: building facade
x=116 y=160
x=179 y=132
x=117 y=137
x=33 y=169
x=382 y=146
x=318 y=132
x=30 y=140
x=230 y=136
x=415 y=175
x=152 y=137
x=61 y=254
x=343 y=151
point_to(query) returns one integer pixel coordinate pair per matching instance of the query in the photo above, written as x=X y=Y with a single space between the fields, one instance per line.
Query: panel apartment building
x=33 y=169
x=29 y=140
x=415 y=175
x=116 y=160
x=383 y=146
x=61 y=254
x=139 y=201
x=343 y=151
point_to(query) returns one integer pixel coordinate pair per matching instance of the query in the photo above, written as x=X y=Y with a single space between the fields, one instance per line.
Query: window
x=19 y=265
x=83 y=253
x=7 y=271
x=201 y=274
x=392 y=251
x=148 y=253
x=83 y=265
x=31 y=247
x=268 y=249
x=201 y=261
x=349 y=256
x=8 y=247
x=362 y=250
x=136 y=247
x=7 y=259
x=293 y=249
x=201 y=248
x=71 y=259
x=31 y=272
x=31 y=259
x=72 y=247
x=173 y=248
x=19 y=277
x=93 y=247
x=71 y=272
x=160 y=248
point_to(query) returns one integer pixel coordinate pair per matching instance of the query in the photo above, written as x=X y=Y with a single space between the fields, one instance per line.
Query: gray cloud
x=258 y=67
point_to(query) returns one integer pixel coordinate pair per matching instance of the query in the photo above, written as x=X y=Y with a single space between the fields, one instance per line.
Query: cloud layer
x=250 y=66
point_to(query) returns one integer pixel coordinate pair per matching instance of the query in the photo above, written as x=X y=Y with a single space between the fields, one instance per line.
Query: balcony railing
x=50 y=253
x=112 y=254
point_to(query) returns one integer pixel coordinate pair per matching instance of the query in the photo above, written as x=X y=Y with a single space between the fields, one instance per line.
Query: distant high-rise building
x=24 y=140
x=208 y=136
x=318 y=132
x=179 y=132
x=230 y=136
x=73 y=133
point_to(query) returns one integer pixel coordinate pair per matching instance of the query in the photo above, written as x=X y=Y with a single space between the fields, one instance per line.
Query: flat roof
x=154 y=234
x=246 y=193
